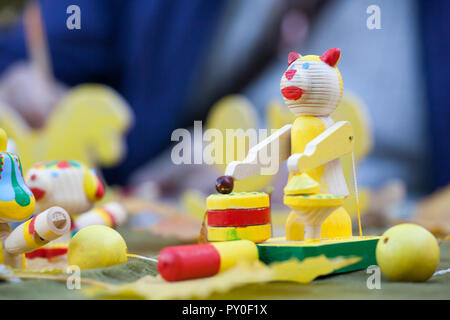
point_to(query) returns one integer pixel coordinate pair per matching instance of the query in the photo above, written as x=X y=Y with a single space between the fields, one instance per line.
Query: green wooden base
x=278 y=249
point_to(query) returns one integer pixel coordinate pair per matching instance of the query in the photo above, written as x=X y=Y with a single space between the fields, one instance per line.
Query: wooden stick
x=251 y=165
x=36 y=40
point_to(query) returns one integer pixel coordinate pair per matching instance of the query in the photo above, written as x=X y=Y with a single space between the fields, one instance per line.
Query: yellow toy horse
x=87 y=125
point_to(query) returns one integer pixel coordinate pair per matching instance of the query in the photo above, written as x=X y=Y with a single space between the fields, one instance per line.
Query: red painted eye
x=290 y=73
x=292 y=92
x=33 y=177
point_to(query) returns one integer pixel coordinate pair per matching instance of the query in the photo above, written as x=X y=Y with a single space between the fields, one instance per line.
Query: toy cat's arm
x=252 y=165
x=333 y=143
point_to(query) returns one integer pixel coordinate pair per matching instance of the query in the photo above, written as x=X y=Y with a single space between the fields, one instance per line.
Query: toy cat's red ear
x=292 y=57
x=331 y=57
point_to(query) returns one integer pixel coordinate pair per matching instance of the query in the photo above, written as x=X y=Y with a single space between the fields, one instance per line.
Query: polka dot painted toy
x=76 y=188
x=68 y=184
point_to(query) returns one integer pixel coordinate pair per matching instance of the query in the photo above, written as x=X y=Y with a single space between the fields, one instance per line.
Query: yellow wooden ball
x=407 y=252
x=97 y=247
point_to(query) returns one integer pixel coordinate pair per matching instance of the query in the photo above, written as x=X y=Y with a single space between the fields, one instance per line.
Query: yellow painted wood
x=231 y=252
x=301 y=184
x=331 y=144
x=281 y=241
x=237 y=200
x=307 y=202
x=3 y=140
x=256 y=233
x=337 y=225
x=295 y=227
x=304 y=129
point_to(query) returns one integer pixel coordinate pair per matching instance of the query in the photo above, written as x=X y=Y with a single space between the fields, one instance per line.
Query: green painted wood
x=362 y=248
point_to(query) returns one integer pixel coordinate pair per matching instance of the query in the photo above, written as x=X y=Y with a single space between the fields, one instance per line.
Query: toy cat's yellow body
x=338 y=224
x=312 y=88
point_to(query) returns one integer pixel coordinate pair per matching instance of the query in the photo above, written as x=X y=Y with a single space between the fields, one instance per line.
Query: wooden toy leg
x=295 y=228
x=38 y=231
x=12 y=260
x=337 y=225
x=313 y=219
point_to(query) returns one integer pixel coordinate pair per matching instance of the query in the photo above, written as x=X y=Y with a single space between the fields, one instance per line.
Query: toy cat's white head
x=312 y=85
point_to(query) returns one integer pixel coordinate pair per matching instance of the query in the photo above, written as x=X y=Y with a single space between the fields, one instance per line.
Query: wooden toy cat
x=312 y=88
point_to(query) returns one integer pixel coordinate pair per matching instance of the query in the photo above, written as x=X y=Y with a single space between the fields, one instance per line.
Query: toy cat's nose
x=292 y=92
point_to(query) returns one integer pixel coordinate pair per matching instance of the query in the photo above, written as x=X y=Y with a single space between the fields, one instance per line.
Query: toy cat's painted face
x=312 y=85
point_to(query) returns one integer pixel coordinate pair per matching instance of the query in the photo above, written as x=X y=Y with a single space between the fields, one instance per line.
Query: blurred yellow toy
x=17 y=204
x=235 y=112
x=87 y=125
x=97 y=247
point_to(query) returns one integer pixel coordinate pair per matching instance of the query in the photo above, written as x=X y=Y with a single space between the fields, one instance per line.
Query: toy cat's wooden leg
x=38 y=231
x=295 y=228
x=12 y=260
x=337 y=225
x=313 y=220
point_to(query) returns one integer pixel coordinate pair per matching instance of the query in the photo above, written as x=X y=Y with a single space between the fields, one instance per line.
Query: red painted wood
x=188 y=262
x=111 y=216
x=31 y=226
x=47 y=253
x=292 y=92
x=331 y=57
x=63 y=165
x=290 y=73
x=292 y=57
x=100 y=188
x=238 y=217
